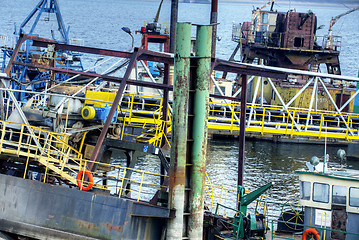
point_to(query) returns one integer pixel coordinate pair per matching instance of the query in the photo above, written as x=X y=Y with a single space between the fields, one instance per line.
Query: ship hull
x=43 y=211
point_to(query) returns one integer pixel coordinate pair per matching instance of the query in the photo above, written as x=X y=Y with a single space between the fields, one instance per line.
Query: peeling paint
x=110 y=227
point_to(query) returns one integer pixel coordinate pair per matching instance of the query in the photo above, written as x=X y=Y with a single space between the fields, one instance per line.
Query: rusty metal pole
x=200 y=131
x=242 y=130
x=174 y=18
x=177 y=173
x=214 y=14
x=113 y=109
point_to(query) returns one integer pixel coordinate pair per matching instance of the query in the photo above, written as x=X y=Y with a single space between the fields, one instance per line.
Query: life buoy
x=79 y=180
x=312 y=231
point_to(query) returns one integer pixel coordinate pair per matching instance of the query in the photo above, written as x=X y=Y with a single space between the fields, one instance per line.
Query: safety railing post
x=321 y=125
x=123 y=179
x=263 y=117
x=348 y=126
x=139 y=191
x=293 y=122
x=123 y=128
x=20 y=139
x=3 y=130
x=131 y=108
x=37 y=140
x=26 y=165
x=221 y=195
x=232 y=117
x=83 y=176
x=286 y=127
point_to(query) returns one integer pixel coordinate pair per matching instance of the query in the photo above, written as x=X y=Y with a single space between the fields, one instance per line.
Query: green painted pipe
x=200 y=130
x=177 y=173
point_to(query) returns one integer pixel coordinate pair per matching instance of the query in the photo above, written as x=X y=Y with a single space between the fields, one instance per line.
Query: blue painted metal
x=28 y=52
x=102 y=113
x=153 y=70
x=46 y=6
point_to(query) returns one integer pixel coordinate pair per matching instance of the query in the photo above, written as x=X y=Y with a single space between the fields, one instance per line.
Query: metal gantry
x=255 y=117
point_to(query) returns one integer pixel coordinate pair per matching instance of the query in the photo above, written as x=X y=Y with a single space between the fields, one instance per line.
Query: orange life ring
x=312 y=231
x=79 y=180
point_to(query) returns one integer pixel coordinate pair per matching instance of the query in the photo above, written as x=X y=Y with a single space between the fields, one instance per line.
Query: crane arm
x=158 y=12
x=335 y=19
x=256 y=12
x=329 y=44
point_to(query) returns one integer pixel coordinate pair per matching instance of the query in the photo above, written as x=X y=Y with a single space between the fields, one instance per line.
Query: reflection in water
x=264 y=162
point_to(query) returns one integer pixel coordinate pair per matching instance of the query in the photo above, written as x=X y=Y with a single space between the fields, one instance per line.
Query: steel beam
x=99 y=76
x=146 y=54
x=242 y=131
x=111 y=78
x=113 y=108
x=14 y=54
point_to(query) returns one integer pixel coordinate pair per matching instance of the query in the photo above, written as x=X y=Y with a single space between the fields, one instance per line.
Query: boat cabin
x=331 y=200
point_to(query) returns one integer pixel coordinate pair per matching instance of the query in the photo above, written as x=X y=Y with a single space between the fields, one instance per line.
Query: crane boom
x=256 y=12
x=329 y=44
x=158 y=12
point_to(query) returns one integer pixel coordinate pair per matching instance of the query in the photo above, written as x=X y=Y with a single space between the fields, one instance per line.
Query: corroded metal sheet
x=42 y=211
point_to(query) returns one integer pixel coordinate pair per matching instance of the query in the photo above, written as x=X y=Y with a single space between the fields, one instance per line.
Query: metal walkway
x=268 y=120
x=261 y=120
x=50 y=150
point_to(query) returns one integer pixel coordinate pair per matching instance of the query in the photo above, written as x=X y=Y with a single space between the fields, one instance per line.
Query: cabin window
x=321 y=192
x=354 y=197
x=264 y=18
x=339 y=194
x=223 y=89
x=305 y=190
x=298 y=42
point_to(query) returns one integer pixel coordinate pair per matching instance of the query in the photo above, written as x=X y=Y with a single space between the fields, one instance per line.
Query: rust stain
x=180 y=176
x=110 y=227
x=86 y=225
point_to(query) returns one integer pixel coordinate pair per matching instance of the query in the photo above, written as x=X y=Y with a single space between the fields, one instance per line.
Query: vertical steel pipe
x=214 y=14
x=242 y=130
x=200 y=130
x=174 y=17
x=177 y=174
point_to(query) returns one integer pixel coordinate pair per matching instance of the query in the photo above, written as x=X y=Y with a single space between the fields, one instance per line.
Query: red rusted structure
x=286 y=40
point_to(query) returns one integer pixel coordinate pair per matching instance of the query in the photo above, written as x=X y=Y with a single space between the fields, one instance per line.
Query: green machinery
x=248 y=226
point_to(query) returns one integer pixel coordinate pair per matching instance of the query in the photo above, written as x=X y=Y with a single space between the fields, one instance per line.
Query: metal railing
x=322 y=231
x=145 y=114
x=134 y=112
x=60 y=160
x=290 y=122
x=275 y=39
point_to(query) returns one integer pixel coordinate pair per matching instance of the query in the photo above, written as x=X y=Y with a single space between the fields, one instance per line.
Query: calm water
x=99 y=24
